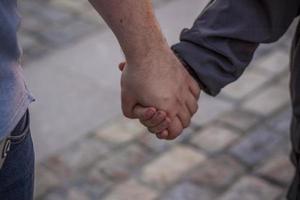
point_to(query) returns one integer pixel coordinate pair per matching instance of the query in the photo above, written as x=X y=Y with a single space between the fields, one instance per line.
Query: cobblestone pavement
x=236 y=148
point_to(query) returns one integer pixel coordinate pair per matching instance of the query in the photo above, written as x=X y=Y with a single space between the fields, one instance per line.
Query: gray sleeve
x=223 y=39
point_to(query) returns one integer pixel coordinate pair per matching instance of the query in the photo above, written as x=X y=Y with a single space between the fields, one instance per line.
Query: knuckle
x=145 y=123
x=154 y=120
x=160 y=117
x=164 y=125
x=151 y=123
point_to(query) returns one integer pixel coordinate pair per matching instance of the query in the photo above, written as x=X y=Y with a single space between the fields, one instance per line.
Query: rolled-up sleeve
x=223 y=39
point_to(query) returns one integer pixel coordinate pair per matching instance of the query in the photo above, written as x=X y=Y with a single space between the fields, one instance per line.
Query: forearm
x=134 y=24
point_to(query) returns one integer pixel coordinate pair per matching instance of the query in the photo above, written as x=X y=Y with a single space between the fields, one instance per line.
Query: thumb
x=122 y=66
x=143 y=113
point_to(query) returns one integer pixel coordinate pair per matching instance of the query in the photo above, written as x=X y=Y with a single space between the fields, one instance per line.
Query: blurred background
x=236 y=148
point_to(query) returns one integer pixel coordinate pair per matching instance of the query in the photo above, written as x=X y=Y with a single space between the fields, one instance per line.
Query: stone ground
x=237 y=147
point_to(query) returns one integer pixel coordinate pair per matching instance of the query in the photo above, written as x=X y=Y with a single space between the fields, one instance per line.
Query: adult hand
x=160 y=81
x=156 y=121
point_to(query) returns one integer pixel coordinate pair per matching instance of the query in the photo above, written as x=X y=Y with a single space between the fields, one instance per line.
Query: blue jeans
x=17 y=174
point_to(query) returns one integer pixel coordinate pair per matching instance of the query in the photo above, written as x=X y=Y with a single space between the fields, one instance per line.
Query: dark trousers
x=17 y=174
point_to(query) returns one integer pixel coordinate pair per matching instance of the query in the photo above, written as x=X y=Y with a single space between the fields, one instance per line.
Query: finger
x=158 y=118
x=161 y=127
x=162 y=135
x=122 y=66
x=184 y=116
x=175 y=129
x=195 y=88
x=192 y=104
x=143 y=113
x=128 y=104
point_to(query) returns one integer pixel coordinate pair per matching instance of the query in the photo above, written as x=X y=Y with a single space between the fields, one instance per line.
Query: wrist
x=190 y=70
x=144 y=41
x=147 y=52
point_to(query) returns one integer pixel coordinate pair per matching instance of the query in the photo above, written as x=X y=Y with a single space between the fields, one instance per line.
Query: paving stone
x=69 y=6
x=268 y=100
x=86 y=186
x=53 y=15
x=214 y=138
x=55 y=195
x=28 y=6
x=285 y=81
x=250 y=188
x=159 y=146
x=62 y=35
x=27 y=41
x=78 y=156
x=120 y=165
x=278 y=168
x=154 y=144
x=257 y=146
x=93 y=17
x=256 y=69
x=34 y=53
x=209 y=109
x=187 y=132
x=282 y=121
x=45 y=180
x=239 y=119
x=131 y=190
x=170 y=166
x=77 y=195
x=276 y=63
x=32 y=24
x=68 y=194
x=188 y=191
x=93 y=184
x=120 y=131
x=217 y=173
x=242 y=88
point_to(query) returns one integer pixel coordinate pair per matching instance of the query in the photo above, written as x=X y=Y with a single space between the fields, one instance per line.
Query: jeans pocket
x=19 y=134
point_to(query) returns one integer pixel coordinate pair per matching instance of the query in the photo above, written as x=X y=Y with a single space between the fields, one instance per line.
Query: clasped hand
x=159 y=91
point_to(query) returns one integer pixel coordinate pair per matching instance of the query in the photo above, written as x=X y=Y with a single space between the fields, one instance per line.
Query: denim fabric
x=17 y=174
